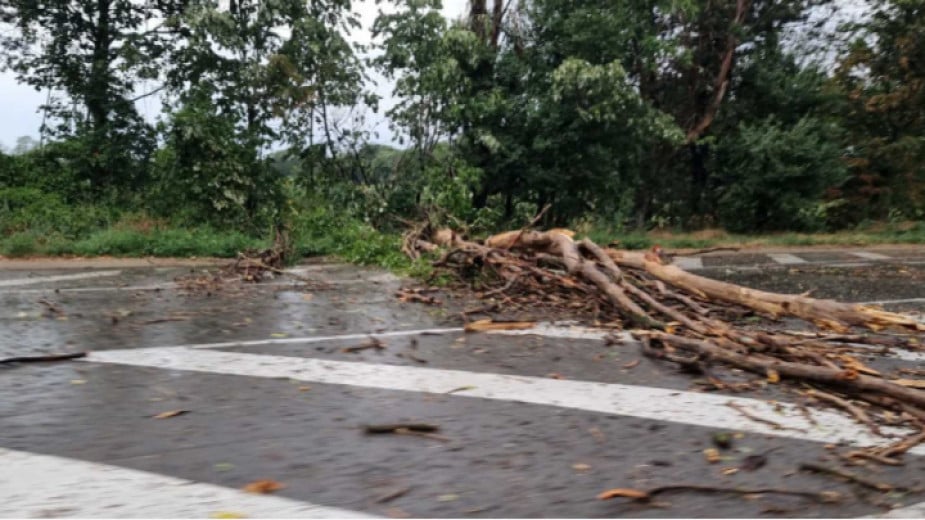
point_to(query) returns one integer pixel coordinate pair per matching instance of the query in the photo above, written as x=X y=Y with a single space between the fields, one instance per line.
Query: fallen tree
x=697 y=322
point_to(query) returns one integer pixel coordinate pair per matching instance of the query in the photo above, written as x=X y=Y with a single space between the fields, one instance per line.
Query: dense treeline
x=741 y=114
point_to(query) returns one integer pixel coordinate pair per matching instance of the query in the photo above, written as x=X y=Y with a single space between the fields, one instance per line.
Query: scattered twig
x=647 y=495
x=392 y=495
x=392 y=428
x=164 y=320
x=42 y=359
x=371 y=343
x=851 y=477
x=856 y=412
x=777 y=426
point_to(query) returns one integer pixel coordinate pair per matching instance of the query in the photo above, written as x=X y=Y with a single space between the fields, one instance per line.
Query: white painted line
x=43 y=486
x=319 y=339
x=565 y=331
x=869 y=256
x=59 y=278
x=688 y=263
x=786 y=258
x=700 y=409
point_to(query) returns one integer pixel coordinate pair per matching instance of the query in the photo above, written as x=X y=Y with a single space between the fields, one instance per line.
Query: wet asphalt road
x=497 y=457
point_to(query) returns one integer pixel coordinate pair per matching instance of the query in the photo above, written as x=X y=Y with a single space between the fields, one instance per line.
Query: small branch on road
x=648 y=495
x=851 y=477
x=42 y=359
x=777 y=426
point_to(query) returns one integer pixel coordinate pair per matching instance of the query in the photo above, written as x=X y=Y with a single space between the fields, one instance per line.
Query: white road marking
x=688 y=263
x=869 y=256
x=59 y=278
x=700 y=409
x=36 y=486
x=786 y=258
x=319 y=339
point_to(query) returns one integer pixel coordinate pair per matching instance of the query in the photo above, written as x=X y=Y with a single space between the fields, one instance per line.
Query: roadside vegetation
x=658 y=122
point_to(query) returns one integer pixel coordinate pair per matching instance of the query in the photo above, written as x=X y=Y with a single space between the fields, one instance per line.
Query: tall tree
x=95 y=53
x=883 y=76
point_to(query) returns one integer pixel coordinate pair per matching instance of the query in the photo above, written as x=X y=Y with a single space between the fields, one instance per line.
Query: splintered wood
x=697 y=322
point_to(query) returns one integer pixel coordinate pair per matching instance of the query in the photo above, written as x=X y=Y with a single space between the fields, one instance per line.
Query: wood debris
x=696 y=322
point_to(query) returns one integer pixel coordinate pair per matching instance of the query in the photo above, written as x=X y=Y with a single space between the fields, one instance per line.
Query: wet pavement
x=272 y=404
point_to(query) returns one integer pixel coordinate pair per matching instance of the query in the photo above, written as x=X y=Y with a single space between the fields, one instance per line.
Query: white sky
x=19 y=103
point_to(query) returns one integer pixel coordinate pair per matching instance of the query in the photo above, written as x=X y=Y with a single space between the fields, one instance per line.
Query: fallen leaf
x=597 y=434
x=581 y=467
x=308 y=297
x=223 y=466
x=488 y=325
x=449 y=497
x=555 y=375
x=278 y=335
x=78 y=381
x=397 y=512
x=730 y=471
x=911 y=383
x=722 y=440
x=631 y=364
x=169 y=414
x=226 y=514
x=712 y=455
x=753 y=462
x=773 y=376
x=623 y=492
x=304 y=388
x=263 y=486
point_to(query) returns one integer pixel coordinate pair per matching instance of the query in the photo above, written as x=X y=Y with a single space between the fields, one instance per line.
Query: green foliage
x=30 y=210
x=883 y=80
x=207 y=172
x=774 y=176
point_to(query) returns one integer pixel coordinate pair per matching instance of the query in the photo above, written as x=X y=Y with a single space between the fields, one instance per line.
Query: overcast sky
x=19 y=103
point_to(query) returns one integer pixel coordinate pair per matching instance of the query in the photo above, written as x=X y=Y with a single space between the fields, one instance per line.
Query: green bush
x=29 y=209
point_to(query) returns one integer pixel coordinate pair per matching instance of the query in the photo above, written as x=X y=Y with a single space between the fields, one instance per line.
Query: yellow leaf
x=487 y=325
x=78 y=381
x=581 y=467
x=730 y=471
x=263 y=486
x=278 y=335
x=773 y=376
x=226 y=514
x=712 y=455
x=171 y=413
x=623 y=492
x=449 y=497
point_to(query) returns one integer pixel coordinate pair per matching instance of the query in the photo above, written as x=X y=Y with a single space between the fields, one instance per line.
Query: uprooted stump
x=695 y=321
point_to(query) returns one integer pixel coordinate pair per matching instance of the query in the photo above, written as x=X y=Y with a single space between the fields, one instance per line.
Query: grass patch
x=870 y=234
x=133 y=243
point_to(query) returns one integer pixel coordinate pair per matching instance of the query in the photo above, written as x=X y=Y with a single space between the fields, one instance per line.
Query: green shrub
x=20 y=244
x=774 y=176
